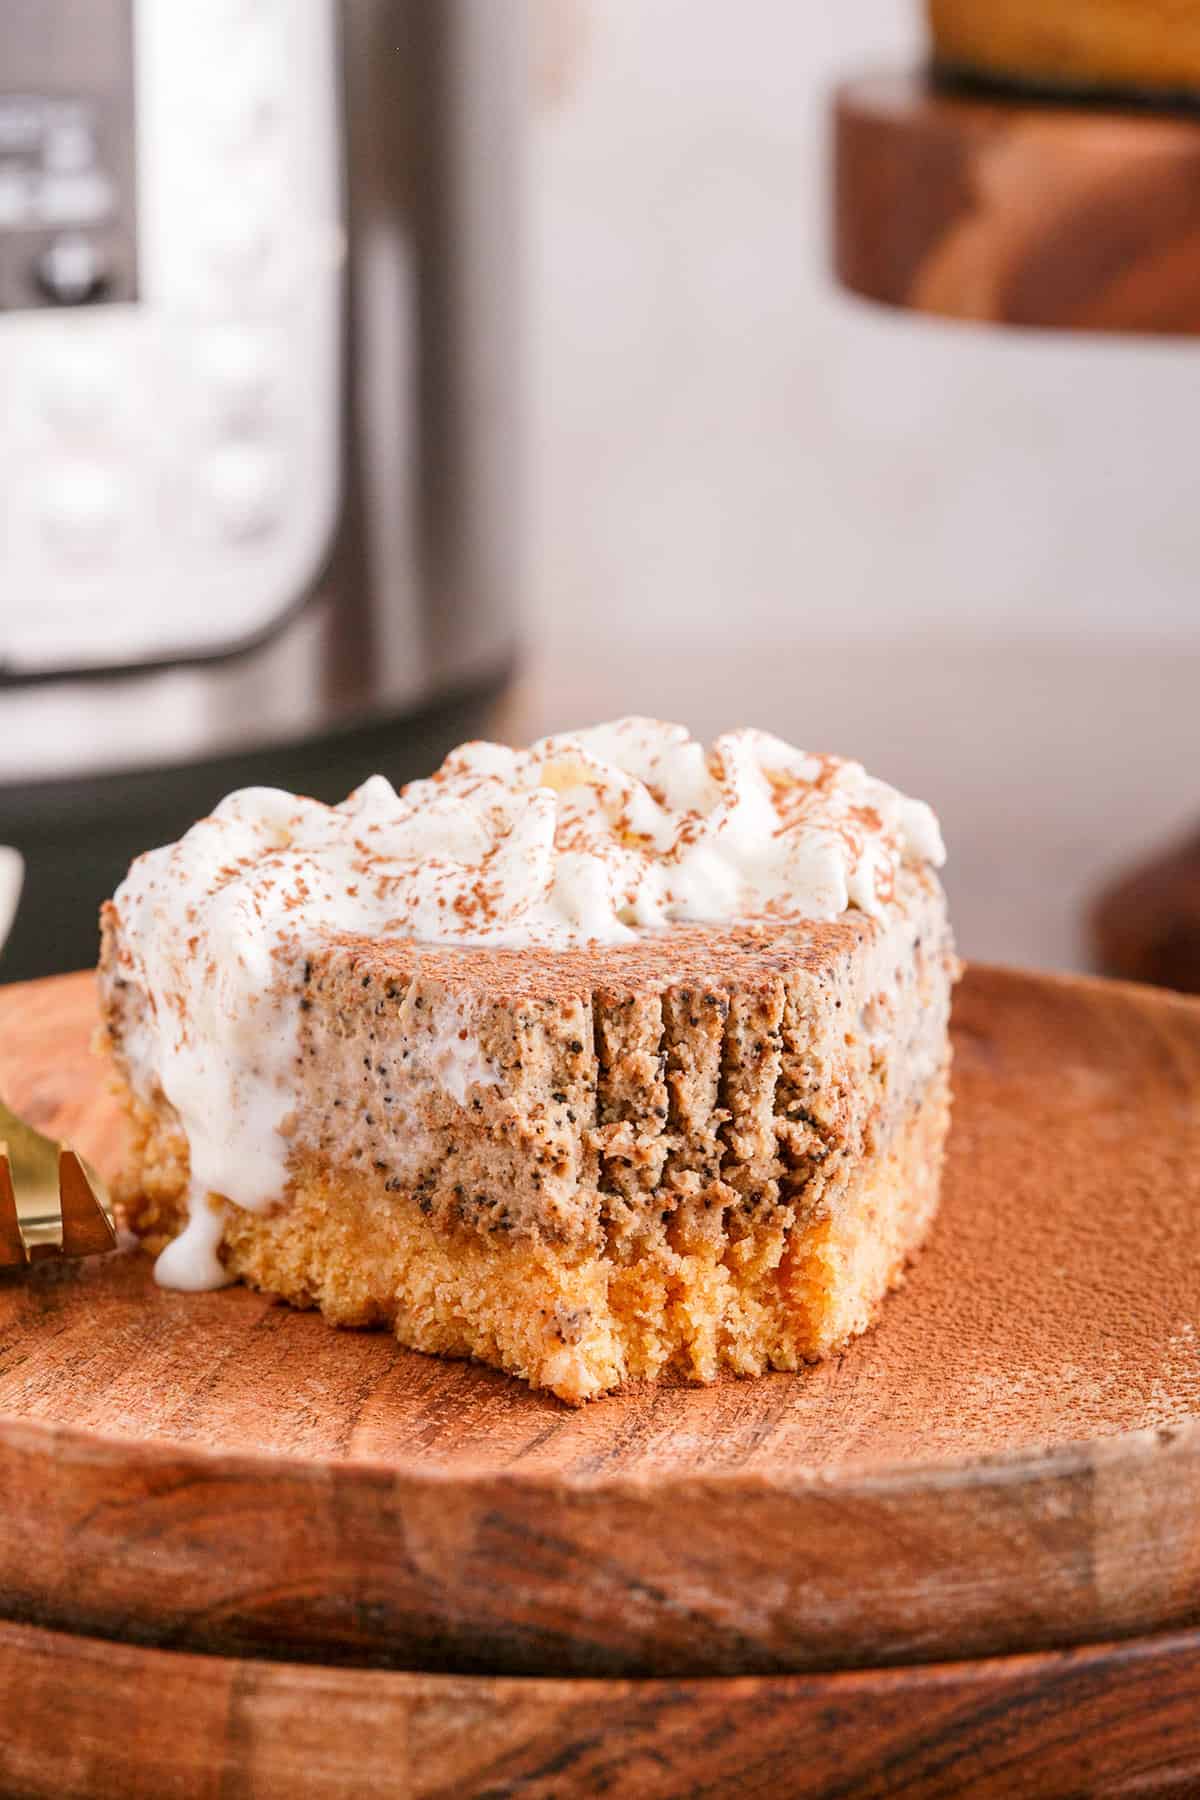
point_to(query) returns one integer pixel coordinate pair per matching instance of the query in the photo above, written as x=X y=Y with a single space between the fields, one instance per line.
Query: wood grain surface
x=1017 y=212
x=99 y=1721
x=1009 y=1461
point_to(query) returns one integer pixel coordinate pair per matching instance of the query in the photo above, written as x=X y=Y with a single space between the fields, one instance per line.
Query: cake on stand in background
x=1131 y=48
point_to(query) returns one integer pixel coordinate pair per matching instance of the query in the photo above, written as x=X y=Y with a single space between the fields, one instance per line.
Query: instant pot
x=260 y=439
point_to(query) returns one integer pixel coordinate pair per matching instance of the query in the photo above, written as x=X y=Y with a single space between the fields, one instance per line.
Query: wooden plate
x=1011 y=1460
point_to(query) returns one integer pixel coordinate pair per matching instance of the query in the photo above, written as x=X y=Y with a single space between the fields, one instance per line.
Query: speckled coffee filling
x=663 y=1088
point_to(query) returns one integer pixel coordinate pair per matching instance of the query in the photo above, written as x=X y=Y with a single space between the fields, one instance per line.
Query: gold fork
x=51 y=1202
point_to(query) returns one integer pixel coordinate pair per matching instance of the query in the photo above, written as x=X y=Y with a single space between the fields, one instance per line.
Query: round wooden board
x=1011 y=1460
x=1017 y=211
x=102 y=1721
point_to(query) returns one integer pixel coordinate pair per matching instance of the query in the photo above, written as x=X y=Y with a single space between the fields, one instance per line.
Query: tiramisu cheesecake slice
x=607 y=1059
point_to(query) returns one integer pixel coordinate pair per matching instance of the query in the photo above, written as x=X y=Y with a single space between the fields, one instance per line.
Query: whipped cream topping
x=593 y=836
x=597 y=835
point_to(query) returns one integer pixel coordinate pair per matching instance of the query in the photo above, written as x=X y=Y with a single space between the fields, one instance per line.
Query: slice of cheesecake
x=632 y=1150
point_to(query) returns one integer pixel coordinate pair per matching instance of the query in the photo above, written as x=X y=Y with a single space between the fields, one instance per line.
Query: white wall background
x=726 y=447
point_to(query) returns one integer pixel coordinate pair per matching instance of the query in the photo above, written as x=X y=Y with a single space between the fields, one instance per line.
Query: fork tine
x=12 y=1246
x=85 y=1227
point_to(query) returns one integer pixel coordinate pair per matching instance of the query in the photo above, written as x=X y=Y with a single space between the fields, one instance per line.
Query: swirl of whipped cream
x=597 y=835
x=593 y=836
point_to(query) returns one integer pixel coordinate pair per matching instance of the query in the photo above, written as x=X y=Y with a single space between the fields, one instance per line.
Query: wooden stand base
x=89 y=1720
x=1017 y=212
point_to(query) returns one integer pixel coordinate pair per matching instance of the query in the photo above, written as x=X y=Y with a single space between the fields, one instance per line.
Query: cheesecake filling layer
x=607 y=838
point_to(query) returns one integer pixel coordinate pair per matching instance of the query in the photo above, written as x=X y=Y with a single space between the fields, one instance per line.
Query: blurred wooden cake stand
x=243 y=1553
x=1002 y=209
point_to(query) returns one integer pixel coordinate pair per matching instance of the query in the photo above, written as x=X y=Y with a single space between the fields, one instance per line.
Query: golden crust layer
x=756 y=1292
